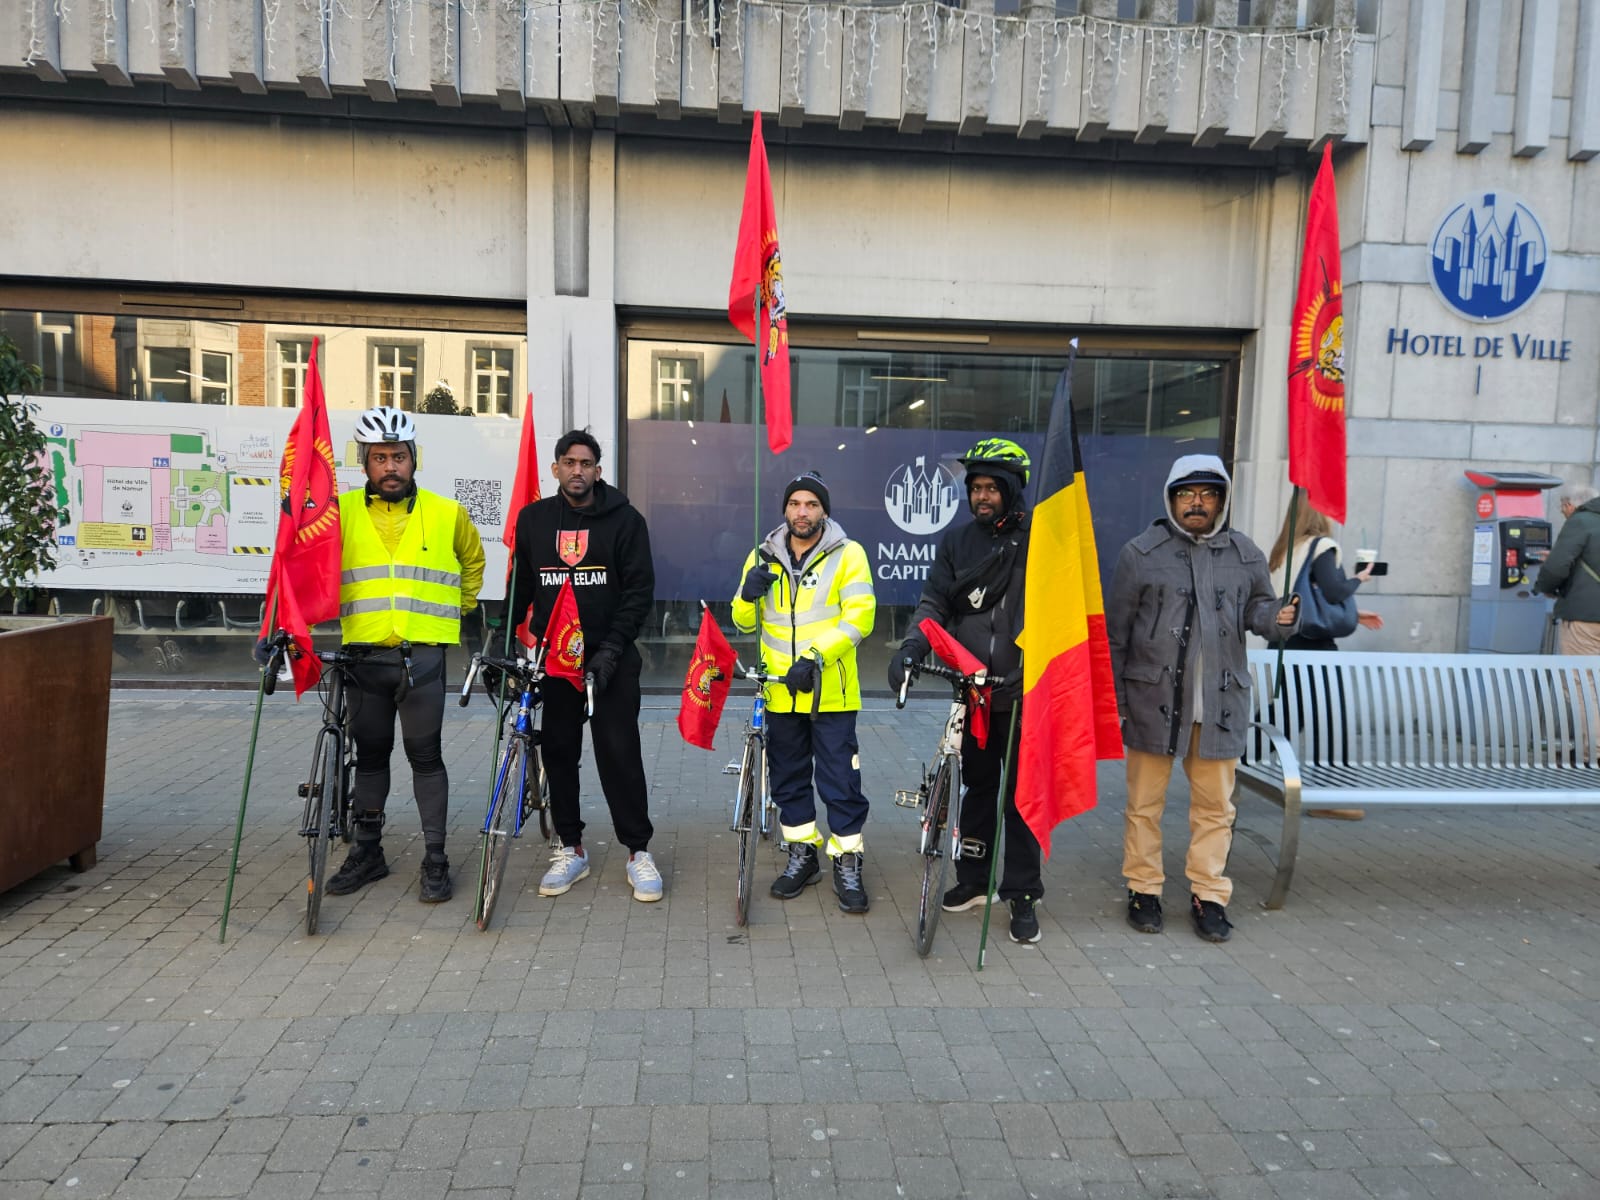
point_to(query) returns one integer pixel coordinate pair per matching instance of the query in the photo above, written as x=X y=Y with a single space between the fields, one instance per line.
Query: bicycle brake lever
x=472 y=678
x=588 y=690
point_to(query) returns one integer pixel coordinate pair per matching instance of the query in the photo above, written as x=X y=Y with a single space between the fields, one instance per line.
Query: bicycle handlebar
x=523 y=670
x=956 y=679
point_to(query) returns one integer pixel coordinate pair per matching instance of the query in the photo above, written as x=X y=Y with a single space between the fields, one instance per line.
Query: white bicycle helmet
x=383 y=424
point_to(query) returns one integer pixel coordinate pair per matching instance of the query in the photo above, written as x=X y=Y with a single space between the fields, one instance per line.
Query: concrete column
x=1536 y=62
x=1419 y=119
x=1583 y=130
x=1480 y=60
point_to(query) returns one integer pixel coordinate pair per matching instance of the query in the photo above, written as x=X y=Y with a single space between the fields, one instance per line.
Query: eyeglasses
x=1187 y=494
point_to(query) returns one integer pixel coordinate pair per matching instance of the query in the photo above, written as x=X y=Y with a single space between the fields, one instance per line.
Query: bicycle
x=938 y=798
x=753 y=820
x=519 y=772
x=330 y=783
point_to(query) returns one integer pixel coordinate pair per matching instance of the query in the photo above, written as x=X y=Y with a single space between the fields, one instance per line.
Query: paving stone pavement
x=1419 y=1021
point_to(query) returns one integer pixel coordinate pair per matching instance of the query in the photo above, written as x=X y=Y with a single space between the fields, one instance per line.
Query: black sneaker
x=1024 y=921
x=365 y=864
x=1210 y=919
x=1144 y=912
x=847 y=884
x=964 y=896
x=435 y=887
x=803 y=868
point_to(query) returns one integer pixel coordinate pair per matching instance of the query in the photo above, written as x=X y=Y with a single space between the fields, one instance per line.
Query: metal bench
x=1415 y=730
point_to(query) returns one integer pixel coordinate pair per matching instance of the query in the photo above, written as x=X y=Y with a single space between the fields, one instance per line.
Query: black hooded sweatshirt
x=604 y=548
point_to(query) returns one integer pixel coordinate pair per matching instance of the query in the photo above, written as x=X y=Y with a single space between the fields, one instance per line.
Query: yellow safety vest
x=414 y=596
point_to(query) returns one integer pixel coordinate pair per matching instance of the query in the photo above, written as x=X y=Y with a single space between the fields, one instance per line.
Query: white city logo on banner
x=921 y=499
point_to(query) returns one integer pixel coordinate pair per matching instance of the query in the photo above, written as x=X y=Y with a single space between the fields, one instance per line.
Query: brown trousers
x=1211 y=815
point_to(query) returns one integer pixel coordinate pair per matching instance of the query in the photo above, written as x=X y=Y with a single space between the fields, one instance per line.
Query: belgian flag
x=1069 y=704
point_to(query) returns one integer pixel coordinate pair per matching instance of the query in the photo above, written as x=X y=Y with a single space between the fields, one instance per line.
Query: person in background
x=1312 y=534
x=1572 y=572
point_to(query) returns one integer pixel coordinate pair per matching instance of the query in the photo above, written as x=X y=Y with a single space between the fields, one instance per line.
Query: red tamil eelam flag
x=953 y=654
x=563 y=638
x=1316 y=356
x=1069 y=703
x=756 y=304
x=303 y=585
x=705 y=687
x=524 y=491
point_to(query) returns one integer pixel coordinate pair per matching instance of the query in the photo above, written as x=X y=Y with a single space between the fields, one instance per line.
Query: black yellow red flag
x=1069 y=704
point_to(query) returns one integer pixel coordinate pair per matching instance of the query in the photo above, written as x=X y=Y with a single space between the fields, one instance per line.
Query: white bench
x=1415 y=730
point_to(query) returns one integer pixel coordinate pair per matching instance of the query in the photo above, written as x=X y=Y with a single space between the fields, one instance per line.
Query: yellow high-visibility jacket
x=408 y=571
x=821 y=606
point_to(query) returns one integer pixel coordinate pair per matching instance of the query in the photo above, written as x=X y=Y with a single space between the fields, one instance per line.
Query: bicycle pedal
x=733 y=768
x=905 y=799
x=302 y=790
x=972 y=848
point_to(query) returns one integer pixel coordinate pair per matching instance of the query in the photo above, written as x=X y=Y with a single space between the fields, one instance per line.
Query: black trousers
x=798 y=745
x=980 y=775
x=372 y=713
x=618 y=757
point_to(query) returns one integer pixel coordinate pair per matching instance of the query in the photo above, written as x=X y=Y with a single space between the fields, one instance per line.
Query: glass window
x=394 y=375
x=491 y=380
x=885 y=427
x=56 y=352
x=294 y=355
x=216 y=378
x=166 y=374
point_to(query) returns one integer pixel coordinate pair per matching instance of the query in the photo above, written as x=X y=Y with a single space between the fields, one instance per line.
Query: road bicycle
x=937 y=799
x=755 y=813
x=329 y=788
x=521 y=787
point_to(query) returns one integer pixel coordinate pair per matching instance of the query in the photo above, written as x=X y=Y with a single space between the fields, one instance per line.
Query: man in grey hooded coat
x=1185 y=593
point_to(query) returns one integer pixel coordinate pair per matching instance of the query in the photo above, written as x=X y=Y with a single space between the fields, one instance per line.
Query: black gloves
x=602 y=664
x=899 y=668
x=756 y=582
x=491 y=678
x=804 y=675
x=263 y=652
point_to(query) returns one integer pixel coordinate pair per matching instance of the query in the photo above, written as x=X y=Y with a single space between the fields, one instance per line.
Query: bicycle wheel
x=935 y=808
x=536 y=795
x=319 y=792
x=746 y=823
x=347 y=792
x=509 y=781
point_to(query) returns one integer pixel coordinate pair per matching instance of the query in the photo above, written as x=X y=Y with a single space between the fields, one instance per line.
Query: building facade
x=522 y=198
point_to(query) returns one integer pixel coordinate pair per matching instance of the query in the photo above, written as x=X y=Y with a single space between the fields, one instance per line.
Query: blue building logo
x=1488 y=257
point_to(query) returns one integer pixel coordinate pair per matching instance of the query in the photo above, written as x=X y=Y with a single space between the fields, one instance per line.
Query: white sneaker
x=645 y=878
x=567 y=866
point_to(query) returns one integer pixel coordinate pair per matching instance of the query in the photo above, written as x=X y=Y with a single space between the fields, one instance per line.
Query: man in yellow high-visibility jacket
x=412 y=564
x=809 y=588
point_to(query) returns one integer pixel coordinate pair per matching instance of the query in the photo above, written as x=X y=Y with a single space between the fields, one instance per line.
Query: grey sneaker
x=644 y=877
x=567 y=866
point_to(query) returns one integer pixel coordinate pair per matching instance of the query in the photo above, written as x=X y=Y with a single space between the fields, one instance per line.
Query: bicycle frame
x=521 y=728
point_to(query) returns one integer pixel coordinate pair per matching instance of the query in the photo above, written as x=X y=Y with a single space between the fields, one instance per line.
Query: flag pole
x=244 y=793
x=999 y=825
x=1288 y=581
x=759 y=412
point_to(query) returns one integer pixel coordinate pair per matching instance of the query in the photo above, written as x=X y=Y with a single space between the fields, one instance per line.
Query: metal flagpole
x=1288 y=581
x=999 y=826
x=244 y=793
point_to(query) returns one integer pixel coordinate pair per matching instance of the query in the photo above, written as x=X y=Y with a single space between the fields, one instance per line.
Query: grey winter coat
x=1180 y=605
x=1563 y=574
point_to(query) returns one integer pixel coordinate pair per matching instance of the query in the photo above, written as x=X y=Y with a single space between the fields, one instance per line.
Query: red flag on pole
x=756 y=303
x=563 y=639
x=705 y=688
x=524 y=491
x=1316 y=356
x=953 y=654
x=1069 y=702
x=303 y=585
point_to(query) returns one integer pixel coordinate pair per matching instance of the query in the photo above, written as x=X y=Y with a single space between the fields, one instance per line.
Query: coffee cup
x=1363 y=557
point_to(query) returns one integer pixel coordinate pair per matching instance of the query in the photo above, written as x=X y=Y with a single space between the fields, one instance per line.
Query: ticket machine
x=1510 y=542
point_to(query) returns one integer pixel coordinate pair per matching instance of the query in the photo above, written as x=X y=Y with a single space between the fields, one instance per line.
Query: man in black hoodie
x=589 y=533
x=975 y=591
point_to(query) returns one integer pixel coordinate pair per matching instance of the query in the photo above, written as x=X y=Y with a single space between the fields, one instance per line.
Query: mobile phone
x=1378 y=568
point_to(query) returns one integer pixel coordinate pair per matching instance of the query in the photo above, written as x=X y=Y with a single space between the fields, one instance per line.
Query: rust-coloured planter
x=55 y=700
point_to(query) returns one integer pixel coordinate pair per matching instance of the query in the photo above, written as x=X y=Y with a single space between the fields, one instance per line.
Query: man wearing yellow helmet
x=975 y=590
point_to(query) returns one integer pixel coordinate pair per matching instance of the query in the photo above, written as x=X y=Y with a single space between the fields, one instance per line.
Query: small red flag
x=563 y=639
x=756 y=304
x=524 y=491
x=953 y=654
x=303 y=585
x=705 y=688
x=1316 y=356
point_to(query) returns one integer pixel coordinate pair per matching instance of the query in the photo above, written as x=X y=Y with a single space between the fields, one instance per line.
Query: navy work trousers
x=799 y=742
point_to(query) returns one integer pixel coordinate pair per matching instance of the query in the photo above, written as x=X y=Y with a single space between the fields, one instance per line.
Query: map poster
x=184 y=498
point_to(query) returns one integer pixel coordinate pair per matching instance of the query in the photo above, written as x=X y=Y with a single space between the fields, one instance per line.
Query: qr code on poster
x=481 y=499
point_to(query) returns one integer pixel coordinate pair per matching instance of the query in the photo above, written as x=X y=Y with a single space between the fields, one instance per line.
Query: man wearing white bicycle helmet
x=974 y=591
x=412 y=564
